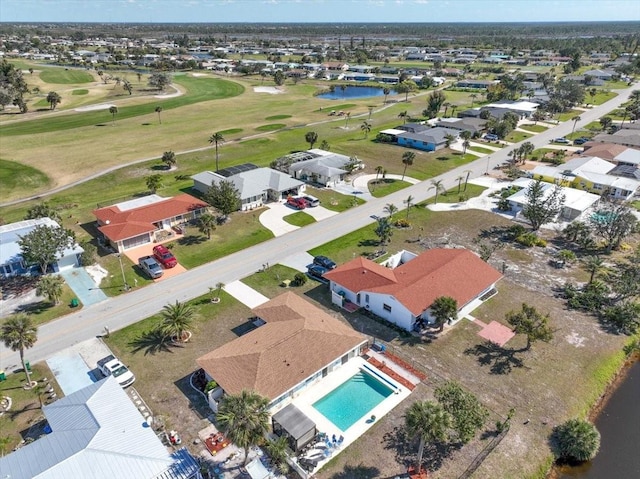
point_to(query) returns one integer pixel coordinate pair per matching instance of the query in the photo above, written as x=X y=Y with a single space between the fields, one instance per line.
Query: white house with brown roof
x=297 y=345
x=145 y=220
x=403 y=292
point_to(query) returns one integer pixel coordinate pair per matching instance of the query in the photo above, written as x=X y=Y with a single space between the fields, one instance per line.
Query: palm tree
x=277 y=451
x=407 y=160
x=386 y=92
x=428 y=421
x=473 y=96
x=576 y=440
x=605 y=122
x=347 y=117
x=466 y=179
x=459 y=180
x=216 y=139
x=465 y=144
x=19 y=333
x=437 y=184
x=575 y=120
x=446 y=106
x=409 y=203
x=154 y=183
x=176 y=320
x=443 y=309
x=404 y=116
x=206 y=224
x=379 y=170
x=126 y=84
x=449 y=138
x=169 y=158
x=390 y=209
x=311 y=137
x=593 y=265
x=366 y=128
x=244 y=419
x=51 y=287
x=324 y=145
x=114 y=111
x=159 y=111
x=526 y=149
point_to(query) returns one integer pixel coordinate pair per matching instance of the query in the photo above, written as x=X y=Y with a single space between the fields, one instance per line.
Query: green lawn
x=81 y=91
x=15 y=176
x=534 y=128
x=65 y=76
x=455 y=196
x=299 y=219
x=269 y=282
x=517 y=136
x=479 y=149
x=271 y=127
x=43 y=311
x=601 y=97
x=198 y=90
x=277 y=117
x=333 y=200
x=566 y=116
x=636 y=205
x=230 y=131
x=385 y=186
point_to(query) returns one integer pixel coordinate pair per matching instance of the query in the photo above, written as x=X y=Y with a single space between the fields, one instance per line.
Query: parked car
x=312 y=201
x=297 y=202
x=581 y=141
x=562 y=140
x=317 y=271
x=111 y=366
x=324 y=262
x=150 y=266
x=164 y=256
x=491 y=137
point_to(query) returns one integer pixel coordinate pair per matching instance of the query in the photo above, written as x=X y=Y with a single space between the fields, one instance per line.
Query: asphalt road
x=116 y=313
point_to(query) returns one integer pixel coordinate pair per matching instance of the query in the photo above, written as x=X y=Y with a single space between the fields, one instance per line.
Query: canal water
x=619 y=426
x=352 y=92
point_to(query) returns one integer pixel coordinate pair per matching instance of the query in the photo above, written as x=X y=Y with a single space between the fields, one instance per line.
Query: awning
x=256 y=470
x=295 y=422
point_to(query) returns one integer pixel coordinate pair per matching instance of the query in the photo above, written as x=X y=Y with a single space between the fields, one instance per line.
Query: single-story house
x=324 y=167
x=146 y=220
x=97 y=432
x=404 y=292
x=11 y=261
x=431 y=139
x=479 y=84
x=628 y=135
x=472 y=125
x=256 y=185
x=297 y=345
x=606 y=151
x=605 y=75
x=629 y=157
x=522 y=108
x=575 y=204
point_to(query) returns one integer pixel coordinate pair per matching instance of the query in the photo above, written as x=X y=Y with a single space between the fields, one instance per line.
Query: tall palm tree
x=575 y=120
x=114 y=111
x=379 y=170
x=366 y=128
x=347 y=117
x=390 y=209
x=386 y=92
x=404 y=116
x=407 y=160
x=437 y=185
x=459 y=180
x=473 y=96
x=466 y=179
x=206 y=224
x=19 y=333
x=428 y=421
x=446 y=106
x=159 y=111
x=216 y=139
x=244 y=419
x=526 y=149
x=51 y=287
x=409 y=203
x=311 y=137
x=465 y=144
x=176 y=320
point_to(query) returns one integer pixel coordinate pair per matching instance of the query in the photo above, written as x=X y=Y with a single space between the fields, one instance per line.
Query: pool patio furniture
x=216 y=442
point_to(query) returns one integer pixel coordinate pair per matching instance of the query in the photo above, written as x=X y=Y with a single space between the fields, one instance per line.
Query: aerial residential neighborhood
x=330 y=250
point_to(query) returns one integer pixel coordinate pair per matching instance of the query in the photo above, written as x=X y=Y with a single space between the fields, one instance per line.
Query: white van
x=311 y=200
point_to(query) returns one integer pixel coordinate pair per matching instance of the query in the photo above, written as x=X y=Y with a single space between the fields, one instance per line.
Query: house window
x=386 y=307
x=366 y=298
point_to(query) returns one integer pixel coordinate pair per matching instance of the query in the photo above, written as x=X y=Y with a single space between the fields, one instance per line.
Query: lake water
x=619 y=426
x=352 y=92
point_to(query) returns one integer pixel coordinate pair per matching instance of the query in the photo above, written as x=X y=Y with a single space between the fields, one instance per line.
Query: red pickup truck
x=299 y=203
x=164 y=256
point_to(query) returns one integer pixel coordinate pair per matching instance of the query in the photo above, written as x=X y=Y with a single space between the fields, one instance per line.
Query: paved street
x=129 y=308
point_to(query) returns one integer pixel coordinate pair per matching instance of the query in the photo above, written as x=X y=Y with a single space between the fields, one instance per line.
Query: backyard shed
x=293 y=424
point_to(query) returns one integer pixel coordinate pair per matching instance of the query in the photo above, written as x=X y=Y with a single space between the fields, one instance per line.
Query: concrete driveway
x=272 y=219
x=246 y=295
x=298 y=261
x=147 y=250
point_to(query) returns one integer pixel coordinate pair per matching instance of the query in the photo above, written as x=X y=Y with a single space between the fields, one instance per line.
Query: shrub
x=530 y=239
x=576 y=440
x=89 y=256
x=211 y=385
x=514 y=231
x=299 y=279
x=402 y=223
x=504 y=205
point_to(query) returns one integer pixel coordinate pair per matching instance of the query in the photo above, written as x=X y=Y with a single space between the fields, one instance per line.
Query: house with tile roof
x=295 y=345
x=146 y=220
x=256 y=185
x=97 y=432
x=403 y=291
x=11 y=261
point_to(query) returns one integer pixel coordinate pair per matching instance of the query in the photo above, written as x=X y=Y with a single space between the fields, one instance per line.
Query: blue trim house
x=427 y=139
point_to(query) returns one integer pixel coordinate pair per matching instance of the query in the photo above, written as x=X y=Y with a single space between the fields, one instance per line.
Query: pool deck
x=309 y=396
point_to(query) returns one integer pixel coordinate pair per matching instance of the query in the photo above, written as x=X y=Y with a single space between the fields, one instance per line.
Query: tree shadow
x=369 y=242
x=357 y=472
x=192 y=240
x=153 y=342
x=34 y=308
x=406 y=449
x=502 y=360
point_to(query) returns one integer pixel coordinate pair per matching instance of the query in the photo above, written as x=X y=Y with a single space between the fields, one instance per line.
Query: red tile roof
x=457 y=273
x=297 y=340
x=119 y=225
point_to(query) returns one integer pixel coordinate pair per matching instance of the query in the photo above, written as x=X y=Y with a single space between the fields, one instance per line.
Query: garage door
x=136 y=241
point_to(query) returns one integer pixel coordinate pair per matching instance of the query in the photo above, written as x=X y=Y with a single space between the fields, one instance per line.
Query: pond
x=619 y=426
x=352 y=92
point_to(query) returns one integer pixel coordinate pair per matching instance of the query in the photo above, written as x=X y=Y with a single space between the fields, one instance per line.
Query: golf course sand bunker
x=267 y=89
x=101 y=106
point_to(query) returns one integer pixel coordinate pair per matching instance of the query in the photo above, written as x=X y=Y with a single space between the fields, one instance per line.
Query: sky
x=332 y=11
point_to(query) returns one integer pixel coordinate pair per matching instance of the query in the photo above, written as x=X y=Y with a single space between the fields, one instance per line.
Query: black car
x=580 y=141
x=324 y=262
x=316 y=271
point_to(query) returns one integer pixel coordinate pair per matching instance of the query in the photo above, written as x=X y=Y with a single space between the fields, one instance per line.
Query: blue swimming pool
x=352 y=400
